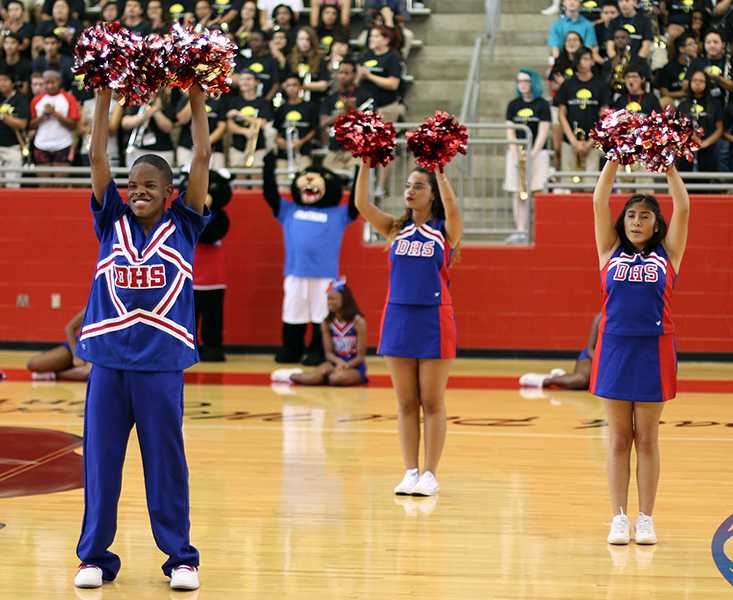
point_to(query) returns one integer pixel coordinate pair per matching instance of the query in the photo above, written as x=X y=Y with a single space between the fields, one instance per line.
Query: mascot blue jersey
x=312 y=238
x=140 y=314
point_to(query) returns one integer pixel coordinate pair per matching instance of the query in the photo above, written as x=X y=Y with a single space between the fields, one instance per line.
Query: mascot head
x=317 y=187
x=218 y=196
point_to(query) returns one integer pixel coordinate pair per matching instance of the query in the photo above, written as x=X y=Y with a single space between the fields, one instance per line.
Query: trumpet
x=579 y=160
x=522 y=166
x=619 y=71
x=291 y=135
x=251 y=147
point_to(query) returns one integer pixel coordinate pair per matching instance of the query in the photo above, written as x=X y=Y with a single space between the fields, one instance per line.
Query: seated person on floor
x=579 y=379
x=61 y=362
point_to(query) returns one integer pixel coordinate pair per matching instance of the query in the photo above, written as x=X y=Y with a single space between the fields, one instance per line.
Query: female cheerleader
x=635 y=362
x=418 y=333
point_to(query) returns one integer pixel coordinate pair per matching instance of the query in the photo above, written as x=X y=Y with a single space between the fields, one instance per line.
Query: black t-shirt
x=642 y=103
x=583 y=101
x=142 y=28
x=303 y=116
x=151 y=137
x=680 y=11
x=531 y=113
x=177 y=8
x=63 y=65
x=16 y=106
x=77 y=8
x=384 y=65
x=259 y=107
x=591 y=10
x=21 y=70
x=603 y=34
x=326 y=35
x=728 y=118
x=706 y=114
x=718 y=67
x=25 y=33
x=671 y=76
x=214 y=113
x=264 y=67
x=46 y=27
x=332 y=105
x=320 y=74
x=222 y=7
x=564 y=66
x=639 y=27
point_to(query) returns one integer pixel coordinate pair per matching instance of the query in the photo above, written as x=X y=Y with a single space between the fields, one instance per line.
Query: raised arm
x=377 y=218
x=676 y=240
x=198 y=180
x=101 y=173
x=606 y=236
x=269 y=183
x=453 y=219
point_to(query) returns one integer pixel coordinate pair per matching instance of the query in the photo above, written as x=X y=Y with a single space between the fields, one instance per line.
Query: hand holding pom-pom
x=366 y=136
x=617 y=135
x=666 y=137
x=437 y=140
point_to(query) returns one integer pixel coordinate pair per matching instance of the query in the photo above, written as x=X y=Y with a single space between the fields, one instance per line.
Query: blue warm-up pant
x=153 y=402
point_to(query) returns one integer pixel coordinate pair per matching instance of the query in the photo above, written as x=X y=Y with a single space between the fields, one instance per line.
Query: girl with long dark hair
x=635 y=361
x=418 y=333
x=707 y=112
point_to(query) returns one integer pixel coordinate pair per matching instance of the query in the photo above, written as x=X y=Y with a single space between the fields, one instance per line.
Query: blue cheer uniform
x=635 y=358
x=418 y=319
x=139 y=334
x=344 y=339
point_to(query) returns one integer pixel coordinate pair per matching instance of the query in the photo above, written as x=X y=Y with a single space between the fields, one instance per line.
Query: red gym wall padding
x=541 y=297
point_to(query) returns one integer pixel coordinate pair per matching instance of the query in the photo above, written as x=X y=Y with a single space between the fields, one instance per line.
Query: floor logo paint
x=722 y=560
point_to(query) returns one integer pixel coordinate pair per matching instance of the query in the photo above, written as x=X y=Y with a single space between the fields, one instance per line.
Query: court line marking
x=46 y=458
x=188 y=424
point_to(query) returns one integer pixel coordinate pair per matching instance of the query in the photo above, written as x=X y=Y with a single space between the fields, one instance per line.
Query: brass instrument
x=291 y=135
x=617 y=80
x=251 y=147
x=579 y=160
x=305 y=74
x=522 y=166
x=25 y=145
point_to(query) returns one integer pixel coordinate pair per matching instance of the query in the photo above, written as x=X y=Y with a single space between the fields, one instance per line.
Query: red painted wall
x=523 y=298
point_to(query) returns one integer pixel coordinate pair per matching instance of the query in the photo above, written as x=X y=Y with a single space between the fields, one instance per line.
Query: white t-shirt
x=87 y=110
x=52 y=135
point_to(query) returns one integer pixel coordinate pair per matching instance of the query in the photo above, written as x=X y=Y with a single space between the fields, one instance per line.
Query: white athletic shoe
x=620 y=532
x=532 y=379
x=88 y=576
x=408 y=483
x=43 y=376
x=644 y=530
x=557 y=373
x=283 y=375
x=185 y=577
x=427 y=485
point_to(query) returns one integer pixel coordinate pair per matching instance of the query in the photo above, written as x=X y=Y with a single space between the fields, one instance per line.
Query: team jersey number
x=646 y=273
x=415 y=248
x=142 y=277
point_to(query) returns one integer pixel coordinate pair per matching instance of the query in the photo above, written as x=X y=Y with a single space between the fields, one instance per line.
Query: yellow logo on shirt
x=303 y=69
x=569 y=72
x=371 y=63
x=688 y=3
x=248 y=111
x=583 y=94
x=715 y=70
x=340 y=104
x=588 y=4
x=630 y=28
x=293 y=116
x=256 y=67
x=697 y=108
x=633 y=107
x=681 y=76
x=221 y=2
x=207 y=108
x=525 y=113
x=176 y=8
x=6 y=109
x=327 y=40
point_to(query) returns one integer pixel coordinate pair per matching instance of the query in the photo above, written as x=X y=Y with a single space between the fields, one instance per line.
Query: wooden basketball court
x=291 y=493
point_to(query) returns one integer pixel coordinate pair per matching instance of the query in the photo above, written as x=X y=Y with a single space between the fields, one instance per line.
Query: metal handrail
x=650 y=181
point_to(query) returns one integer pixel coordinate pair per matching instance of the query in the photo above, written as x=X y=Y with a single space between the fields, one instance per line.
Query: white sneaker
x=88 y=576
x=43 y=376
x=427 y=485
x=185 y=577
x=557 y=373
x=553 y=9
x=283 y=375
x=644 y=530
x=408 y=483
x=620 y=530
x=532 y=379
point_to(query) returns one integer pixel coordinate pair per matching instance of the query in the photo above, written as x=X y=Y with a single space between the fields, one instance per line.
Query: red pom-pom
x=365 y=135
x=617 y=135
x=205 y=58
x=667 y=136
x=437 y=140
x=105 y=55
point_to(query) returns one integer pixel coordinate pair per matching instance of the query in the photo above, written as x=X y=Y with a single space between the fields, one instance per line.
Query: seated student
x=327 y=26
x=344 y=342
x=217 y=128
x=61 y=25
x=244 y=113
x=716 y=64
x=572 y=20
x=579 y=379
x=635 y=99
x=296 y=122
x=707 y=112
x=257 y=59
x=603 y=29
x=671 y=80
x=341 y=10
x=639 y=27
x=679 y=15
x=61 y=362
x=53 y=60
x=336 y=104
x=150 y=129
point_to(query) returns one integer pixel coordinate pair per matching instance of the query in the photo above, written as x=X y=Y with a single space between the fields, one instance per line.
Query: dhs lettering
x=142 y=277
x=647 y=273
x=415 y=248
